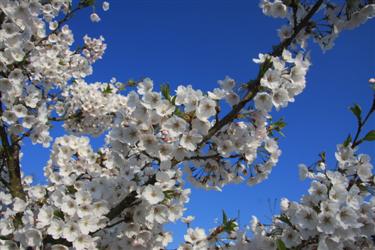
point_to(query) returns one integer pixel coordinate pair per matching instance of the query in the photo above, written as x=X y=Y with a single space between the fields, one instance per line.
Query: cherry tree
x=121 y=195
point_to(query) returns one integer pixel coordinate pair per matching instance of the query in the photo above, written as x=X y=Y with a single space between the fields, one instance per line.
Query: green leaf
x=107 y=90
x=71 y=189
x=58 y=214
x=280 y=124
x=165 y=91
x=357 y=111
x=131 y=83
x=347 y=140
x=280 y=245
x=169 y=194
x=173 y=100
x=370 y=136
x=322 y=156
x=86 y=3
x=225 y=218
x=179 y=113
x=230 y=226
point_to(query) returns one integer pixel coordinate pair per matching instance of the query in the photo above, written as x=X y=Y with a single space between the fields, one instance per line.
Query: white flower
x=100 y=208
x=165 y=108
x=201 y=126
x=318 y=191
x=160 y=213
x=6 y=227
x=151 y=99
x=94 y=17
x=227 y=84
x=145 y=86
x=69 y=206
x=290 y=238
x=261 y=58
x=175 y=126
x=303 y=171
x=280 y=98
x=83 y=242
x=217 y=94
x=225 y=147
x=32 y=238
x=5 y=84
x=306 y=218
x=166 y=151
x=20 y=110
x=149 y=143
x=45 y=216
x=278 y=9
x=195 y=235
x=347 y=218
x=131 y=135
x=187 y=219
x=190 y=140
x=364 y=168
x=19 y=205
x=105 y=5
x=232 y=98
x=84 y=210
x=9 y=117
x=88 y=224
x=71 y=231
x=206 y=109
x=56 y=228
x=263 y=102
x=83 y=197
x=327 y=223
x=16 y=76
x=152 y=194
x=37 y=192
x=271 y=79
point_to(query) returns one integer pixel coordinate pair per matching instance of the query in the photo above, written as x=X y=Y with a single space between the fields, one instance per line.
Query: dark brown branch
x=361 y=124
x=255 y=84
x=11 y=152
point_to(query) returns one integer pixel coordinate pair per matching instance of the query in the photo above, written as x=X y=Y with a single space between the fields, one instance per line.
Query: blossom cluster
x=336 y=18
x=336 y=213
x=36 y=66
x=121 y=195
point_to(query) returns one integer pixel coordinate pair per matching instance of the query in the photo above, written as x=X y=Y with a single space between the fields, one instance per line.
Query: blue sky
x=199 y=42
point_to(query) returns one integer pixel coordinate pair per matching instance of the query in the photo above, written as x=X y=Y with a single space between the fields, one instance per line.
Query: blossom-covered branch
x=121 y=195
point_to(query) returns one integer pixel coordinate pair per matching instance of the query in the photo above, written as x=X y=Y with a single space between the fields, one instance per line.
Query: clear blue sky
x=199 y=42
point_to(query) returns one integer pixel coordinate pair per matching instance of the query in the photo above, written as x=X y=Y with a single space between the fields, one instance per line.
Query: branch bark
x=11 y=152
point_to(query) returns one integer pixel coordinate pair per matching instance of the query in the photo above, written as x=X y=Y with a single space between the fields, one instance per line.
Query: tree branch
x=11 y=152
x=255 y=84
x=252 y=90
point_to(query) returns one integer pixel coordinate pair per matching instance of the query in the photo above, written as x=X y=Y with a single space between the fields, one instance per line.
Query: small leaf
x=107 y=90
x=357 y=111
x=280 y=245
x=173 y=100
x=86 y=3
x=71 y=189
x=347 y=141
x=58 y=214
x=225 y=218
x=131 y=83
x=370 y=136
x=165 y=90
x=179 y=113
x=322 y=156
